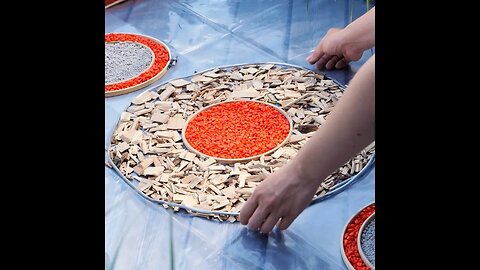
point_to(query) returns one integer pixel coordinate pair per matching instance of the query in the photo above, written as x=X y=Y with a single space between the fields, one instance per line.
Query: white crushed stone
x=125 y=60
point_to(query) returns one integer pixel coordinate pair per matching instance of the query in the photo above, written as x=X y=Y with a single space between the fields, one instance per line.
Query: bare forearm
x=361 y=32
x=349 y=128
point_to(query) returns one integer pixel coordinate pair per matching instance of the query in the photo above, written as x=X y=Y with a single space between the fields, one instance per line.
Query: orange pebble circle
x=238 y=129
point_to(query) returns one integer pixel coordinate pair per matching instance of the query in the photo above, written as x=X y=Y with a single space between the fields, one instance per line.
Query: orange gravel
x=238 y=129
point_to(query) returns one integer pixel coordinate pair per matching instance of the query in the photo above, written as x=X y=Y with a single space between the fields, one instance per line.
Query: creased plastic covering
x=203 y=34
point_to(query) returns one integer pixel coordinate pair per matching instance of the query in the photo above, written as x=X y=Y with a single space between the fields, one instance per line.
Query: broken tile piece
x=189 y=178
x=247 y=191
x=209 y=162
x=195 y=182
x=142 y=112
x=212 y=74
x=146 y=163
x=189 y=201
x=160 y=117
x=215 y=189
x=216 y=168
x=257 y=84
x=179 y=82
x=183 y=96
x=245 y=94
x=178 y=198
x=142 y=98
x=278 y=153
x=220 y=204
x=292 y=94
x=188 y=156
x=155 y=171
x=137 y=137
x=122 y=147
x=229 y=192
x=242 y=177
x=163 y=105
x=127 y=136
x=200 y=78
x=267 y=67
x=166 y=93
x=236 y=76
x=164 y=177
x=176 y=122
x=125 y=116
x=219 y=179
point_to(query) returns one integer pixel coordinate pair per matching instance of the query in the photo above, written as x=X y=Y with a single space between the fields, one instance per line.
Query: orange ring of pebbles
x=161 y=61
x=234 y=130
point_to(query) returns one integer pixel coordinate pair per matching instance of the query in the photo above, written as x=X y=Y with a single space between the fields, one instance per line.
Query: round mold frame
x=235 y=160
x=149 y=66
x=147 y=82
x=344 y=256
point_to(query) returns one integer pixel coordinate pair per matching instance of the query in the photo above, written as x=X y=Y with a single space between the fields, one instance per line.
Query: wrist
x=302 y=171
x=356 y=39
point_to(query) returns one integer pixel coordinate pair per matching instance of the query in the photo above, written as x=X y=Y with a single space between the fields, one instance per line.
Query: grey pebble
x=367 y=241
x=125 y=60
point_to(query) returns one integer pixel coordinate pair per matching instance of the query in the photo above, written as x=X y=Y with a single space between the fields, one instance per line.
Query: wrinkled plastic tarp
x=203 y=34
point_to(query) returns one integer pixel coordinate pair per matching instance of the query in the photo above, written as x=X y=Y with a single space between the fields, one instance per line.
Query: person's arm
x=340 y=46
x=349 y=128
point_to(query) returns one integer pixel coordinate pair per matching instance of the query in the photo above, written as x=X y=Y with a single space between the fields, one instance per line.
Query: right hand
x=335 y=50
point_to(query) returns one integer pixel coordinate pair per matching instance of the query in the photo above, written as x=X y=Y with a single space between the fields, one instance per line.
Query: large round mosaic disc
x=151 y=147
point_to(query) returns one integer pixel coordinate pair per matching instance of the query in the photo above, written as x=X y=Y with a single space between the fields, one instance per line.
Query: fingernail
x=308 y=58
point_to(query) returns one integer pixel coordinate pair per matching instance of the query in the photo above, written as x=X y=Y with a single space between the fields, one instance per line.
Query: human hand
x=278 y=200
x=335 y=50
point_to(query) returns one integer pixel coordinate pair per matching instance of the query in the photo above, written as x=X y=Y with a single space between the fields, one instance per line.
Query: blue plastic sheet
x=203 y=34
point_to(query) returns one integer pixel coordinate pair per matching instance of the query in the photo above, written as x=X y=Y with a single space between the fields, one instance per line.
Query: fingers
x=322 y=61
x=269 y=223
x=316 y=54
x=331 y=63
x=341 y=63
x=285 y=222
x=248 y=209
x=258 y=218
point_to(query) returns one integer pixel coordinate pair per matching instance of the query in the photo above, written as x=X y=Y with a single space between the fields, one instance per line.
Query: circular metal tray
x=332 y=191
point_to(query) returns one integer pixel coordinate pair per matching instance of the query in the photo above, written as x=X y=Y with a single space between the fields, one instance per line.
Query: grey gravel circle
x=367 y=241
x=125 y=60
